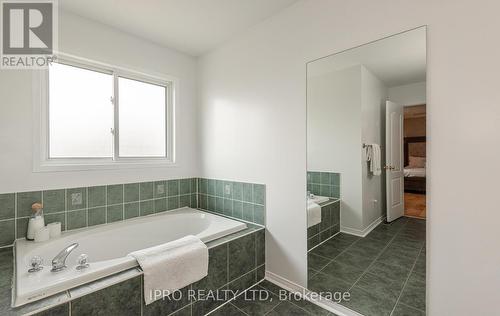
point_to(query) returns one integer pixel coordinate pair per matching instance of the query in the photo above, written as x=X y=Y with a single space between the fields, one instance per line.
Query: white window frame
x=41 y=160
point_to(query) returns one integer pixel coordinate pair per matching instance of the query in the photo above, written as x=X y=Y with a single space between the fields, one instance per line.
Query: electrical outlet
x=76 y=199
x=160 y=189
x=227 y=189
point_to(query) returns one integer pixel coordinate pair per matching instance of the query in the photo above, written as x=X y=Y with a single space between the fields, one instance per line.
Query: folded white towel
x=373 y=155
x=313 y=214
x=172 y=266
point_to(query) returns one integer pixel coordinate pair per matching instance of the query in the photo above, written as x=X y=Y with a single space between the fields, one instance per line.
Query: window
x=80 y=113
x=141 y=118
x=98 y=116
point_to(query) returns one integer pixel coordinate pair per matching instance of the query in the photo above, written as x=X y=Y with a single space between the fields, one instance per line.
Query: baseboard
x=305 y=293
x=364 y=232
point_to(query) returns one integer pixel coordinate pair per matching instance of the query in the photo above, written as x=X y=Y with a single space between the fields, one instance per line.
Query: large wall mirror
x=366 y=175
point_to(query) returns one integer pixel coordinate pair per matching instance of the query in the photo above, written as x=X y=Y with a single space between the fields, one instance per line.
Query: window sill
x=68 y=165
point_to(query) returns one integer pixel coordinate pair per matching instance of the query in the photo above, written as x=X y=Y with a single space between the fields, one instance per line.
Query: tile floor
x=249 y=304
x=384 y=271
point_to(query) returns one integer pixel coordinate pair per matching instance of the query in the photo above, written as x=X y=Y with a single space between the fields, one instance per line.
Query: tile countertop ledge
x=6 y=273
x=330 y=201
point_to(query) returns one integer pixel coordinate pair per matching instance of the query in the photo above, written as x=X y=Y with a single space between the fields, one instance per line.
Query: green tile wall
x=88 y=206
x=246 y=201
x=329 y=225
x=324 y=183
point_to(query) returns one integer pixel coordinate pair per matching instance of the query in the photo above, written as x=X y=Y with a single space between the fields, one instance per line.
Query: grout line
x=248 y=202
x=106 y=204
x=412 y=307
x=319 y=234
x=12 y=219
x=87 y=205
x=378 y=256
x=407 y=278
x=274 y=307
x=242 y=292
x=361 y=238
x=306 y=311
x=227 y=262
x=15 y=217
x=325 y=239
x=142 y=295
x=234 y=305
x=123 y=202
x=65 y=209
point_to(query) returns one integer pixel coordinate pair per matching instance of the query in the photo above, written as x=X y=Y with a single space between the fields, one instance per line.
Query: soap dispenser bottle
x=36 y=221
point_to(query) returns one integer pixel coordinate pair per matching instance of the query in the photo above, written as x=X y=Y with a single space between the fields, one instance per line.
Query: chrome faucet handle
x=36 y=264
x=59 y=261
x=82 y=262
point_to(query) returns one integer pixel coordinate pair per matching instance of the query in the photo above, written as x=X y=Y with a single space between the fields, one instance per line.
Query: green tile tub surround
x=114 y=213
x=245 y=201
x=120 y=299
x=97 y=196
x=173 y=187
x=76 y=199
x=96 y=216
x=329 y=225
x=95 y=205
x=7 y=232
x=324 y=183
x=131 y=192
x=160 y=189
x=76 y=219
x=131 y=210
x=53 y=201
x=114 y=194
x=146 y=191
x=146 y=207
x=122 y=293
x=7 y=206
x=25 y=200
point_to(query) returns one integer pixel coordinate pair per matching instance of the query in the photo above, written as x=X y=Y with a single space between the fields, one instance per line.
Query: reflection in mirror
x=366 y=175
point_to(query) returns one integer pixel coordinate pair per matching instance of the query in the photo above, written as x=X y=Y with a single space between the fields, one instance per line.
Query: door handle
x=389 y=168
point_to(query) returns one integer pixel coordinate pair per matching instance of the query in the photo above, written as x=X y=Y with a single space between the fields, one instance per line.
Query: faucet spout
x=59 y=261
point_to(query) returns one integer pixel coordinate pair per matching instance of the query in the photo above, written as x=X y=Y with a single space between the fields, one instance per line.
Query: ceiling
x=396 y=60
x=190 y=26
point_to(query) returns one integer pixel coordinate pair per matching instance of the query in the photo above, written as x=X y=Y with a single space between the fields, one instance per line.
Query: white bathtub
x=107 y=247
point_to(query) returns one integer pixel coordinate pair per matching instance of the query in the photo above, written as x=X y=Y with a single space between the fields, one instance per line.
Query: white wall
x=344 y=110
x=410 y=94
x=373 y=97
x=253 y=101
x=334 y=136
x=89 y=39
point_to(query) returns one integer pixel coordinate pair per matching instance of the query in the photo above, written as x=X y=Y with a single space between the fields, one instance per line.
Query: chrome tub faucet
x=59 y=261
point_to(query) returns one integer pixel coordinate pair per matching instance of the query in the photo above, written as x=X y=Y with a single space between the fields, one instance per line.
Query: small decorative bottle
x=36 y=220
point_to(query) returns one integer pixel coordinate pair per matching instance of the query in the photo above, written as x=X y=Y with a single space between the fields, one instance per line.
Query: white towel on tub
x=313 y=214
x=172 y=266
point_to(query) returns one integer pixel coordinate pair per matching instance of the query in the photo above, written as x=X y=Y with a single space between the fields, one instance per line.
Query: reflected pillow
x=416 y=162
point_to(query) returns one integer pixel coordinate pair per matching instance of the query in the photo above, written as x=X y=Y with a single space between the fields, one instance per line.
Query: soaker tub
x=107 y=247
